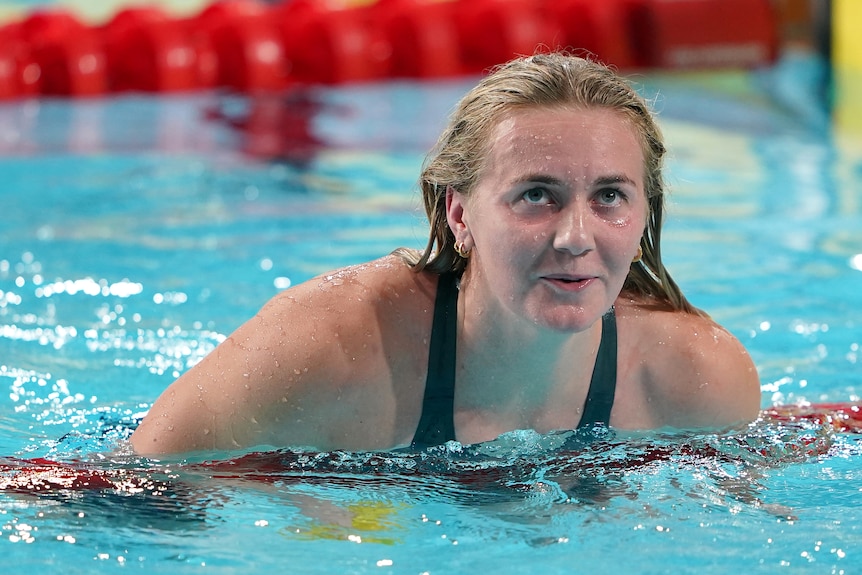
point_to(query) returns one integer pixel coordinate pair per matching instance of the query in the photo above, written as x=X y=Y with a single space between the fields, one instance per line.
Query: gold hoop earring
x=639 y=255
x=461 y=250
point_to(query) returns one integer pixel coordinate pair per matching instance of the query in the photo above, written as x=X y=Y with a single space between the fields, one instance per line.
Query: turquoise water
x=137 y=232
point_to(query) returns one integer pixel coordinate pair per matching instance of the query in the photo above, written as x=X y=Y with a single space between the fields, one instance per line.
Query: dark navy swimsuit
x=437 y=424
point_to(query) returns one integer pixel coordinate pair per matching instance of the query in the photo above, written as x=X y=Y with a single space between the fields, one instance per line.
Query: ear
x=456 y=210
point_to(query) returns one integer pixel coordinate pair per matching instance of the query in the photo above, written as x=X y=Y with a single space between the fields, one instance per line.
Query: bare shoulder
x=329 y=363
x=344 y=341
x=348 y=321
x=366 y=294
x=689 y=370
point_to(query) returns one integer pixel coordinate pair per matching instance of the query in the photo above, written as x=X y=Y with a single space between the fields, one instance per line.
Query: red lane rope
x=843 y=417
x=252 y=45
x=39 y=476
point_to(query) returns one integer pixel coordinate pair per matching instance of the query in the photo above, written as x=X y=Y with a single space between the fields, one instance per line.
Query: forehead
x=565 y=137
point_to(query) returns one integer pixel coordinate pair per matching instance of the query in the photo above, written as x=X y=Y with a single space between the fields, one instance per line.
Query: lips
x=567 y=282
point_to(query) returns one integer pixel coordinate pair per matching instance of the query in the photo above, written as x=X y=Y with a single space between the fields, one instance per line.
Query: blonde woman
x=541 y=301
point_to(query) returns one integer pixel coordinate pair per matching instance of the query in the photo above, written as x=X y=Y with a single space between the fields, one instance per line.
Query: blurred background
x=74 y=48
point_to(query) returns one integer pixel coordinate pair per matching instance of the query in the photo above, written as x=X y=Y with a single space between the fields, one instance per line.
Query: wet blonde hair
x=542 y=80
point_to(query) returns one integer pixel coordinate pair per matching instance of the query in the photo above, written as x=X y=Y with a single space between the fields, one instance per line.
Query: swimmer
x=540 y=302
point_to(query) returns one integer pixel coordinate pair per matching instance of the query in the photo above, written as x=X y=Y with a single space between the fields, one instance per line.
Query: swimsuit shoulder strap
x=437 y=423
x=603 y=385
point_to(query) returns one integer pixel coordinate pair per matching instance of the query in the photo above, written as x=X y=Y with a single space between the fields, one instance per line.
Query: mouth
x=567 y=282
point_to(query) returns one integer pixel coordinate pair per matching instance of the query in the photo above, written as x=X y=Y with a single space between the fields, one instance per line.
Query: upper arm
x=232 y=397
x=311 y=368
x=701 y=374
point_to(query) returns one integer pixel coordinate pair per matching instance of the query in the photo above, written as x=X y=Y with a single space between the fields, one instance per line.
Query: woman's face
x=556 y=216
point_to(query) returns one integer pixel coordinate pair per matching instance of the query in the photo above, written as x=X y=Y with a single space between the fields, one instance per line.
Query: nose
x=574 y=233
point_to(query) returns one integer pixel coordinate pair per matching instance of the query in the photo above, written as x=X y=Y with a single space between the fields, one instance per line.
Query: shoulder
x=689 y=370
x=350 y=321
x=330 y=363
x=358 y=346
x=381 y=291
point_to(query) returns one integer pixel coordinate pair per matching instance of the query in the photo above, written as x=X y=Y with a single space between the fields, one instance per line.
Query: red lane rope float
x=69 y=54
x=843 y=417
x=705 y=33
x=19 y=71
x=252 y=45
x=423 y=38
x=597 y=27
x=492 y=31
x=249 y=51
x=148 y=51
x=35 y=476
x=41 y=476
x=333 y=43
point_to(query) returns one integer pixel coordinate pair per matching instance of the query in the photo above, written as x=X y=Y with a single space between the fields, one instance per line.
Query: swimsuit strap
x=437 y=424
x=603 y=384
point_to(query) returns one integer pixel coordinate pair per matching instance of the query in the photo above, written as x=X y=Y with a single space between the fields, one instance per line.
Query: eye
x=610 y=197
x=537 y=196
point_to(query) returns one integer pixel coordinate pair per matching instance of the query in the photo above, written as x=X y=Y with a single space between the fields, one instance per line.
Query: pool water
x=139 y=231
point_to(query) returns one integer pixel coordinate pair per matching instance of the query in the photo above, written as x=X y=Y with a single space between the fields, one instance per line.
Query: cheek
x=637 y=223
x=523 y=244
x=506 y=254
x=509 y=249
x=622 y=239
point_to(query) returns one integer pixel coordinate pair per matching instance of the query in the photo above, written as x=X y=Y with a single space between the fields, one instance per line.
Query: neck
x=507 y=364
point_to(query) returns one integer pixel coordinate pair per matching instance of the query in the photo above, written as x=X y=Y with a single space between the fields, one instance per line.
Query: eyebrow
x=602 y=181
x=615 y=179
x=542 y=179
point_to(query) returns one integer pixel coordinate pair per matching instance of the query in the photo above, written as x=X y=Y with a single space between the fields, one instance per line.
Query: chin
x=571 y=320
x=567 y=313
